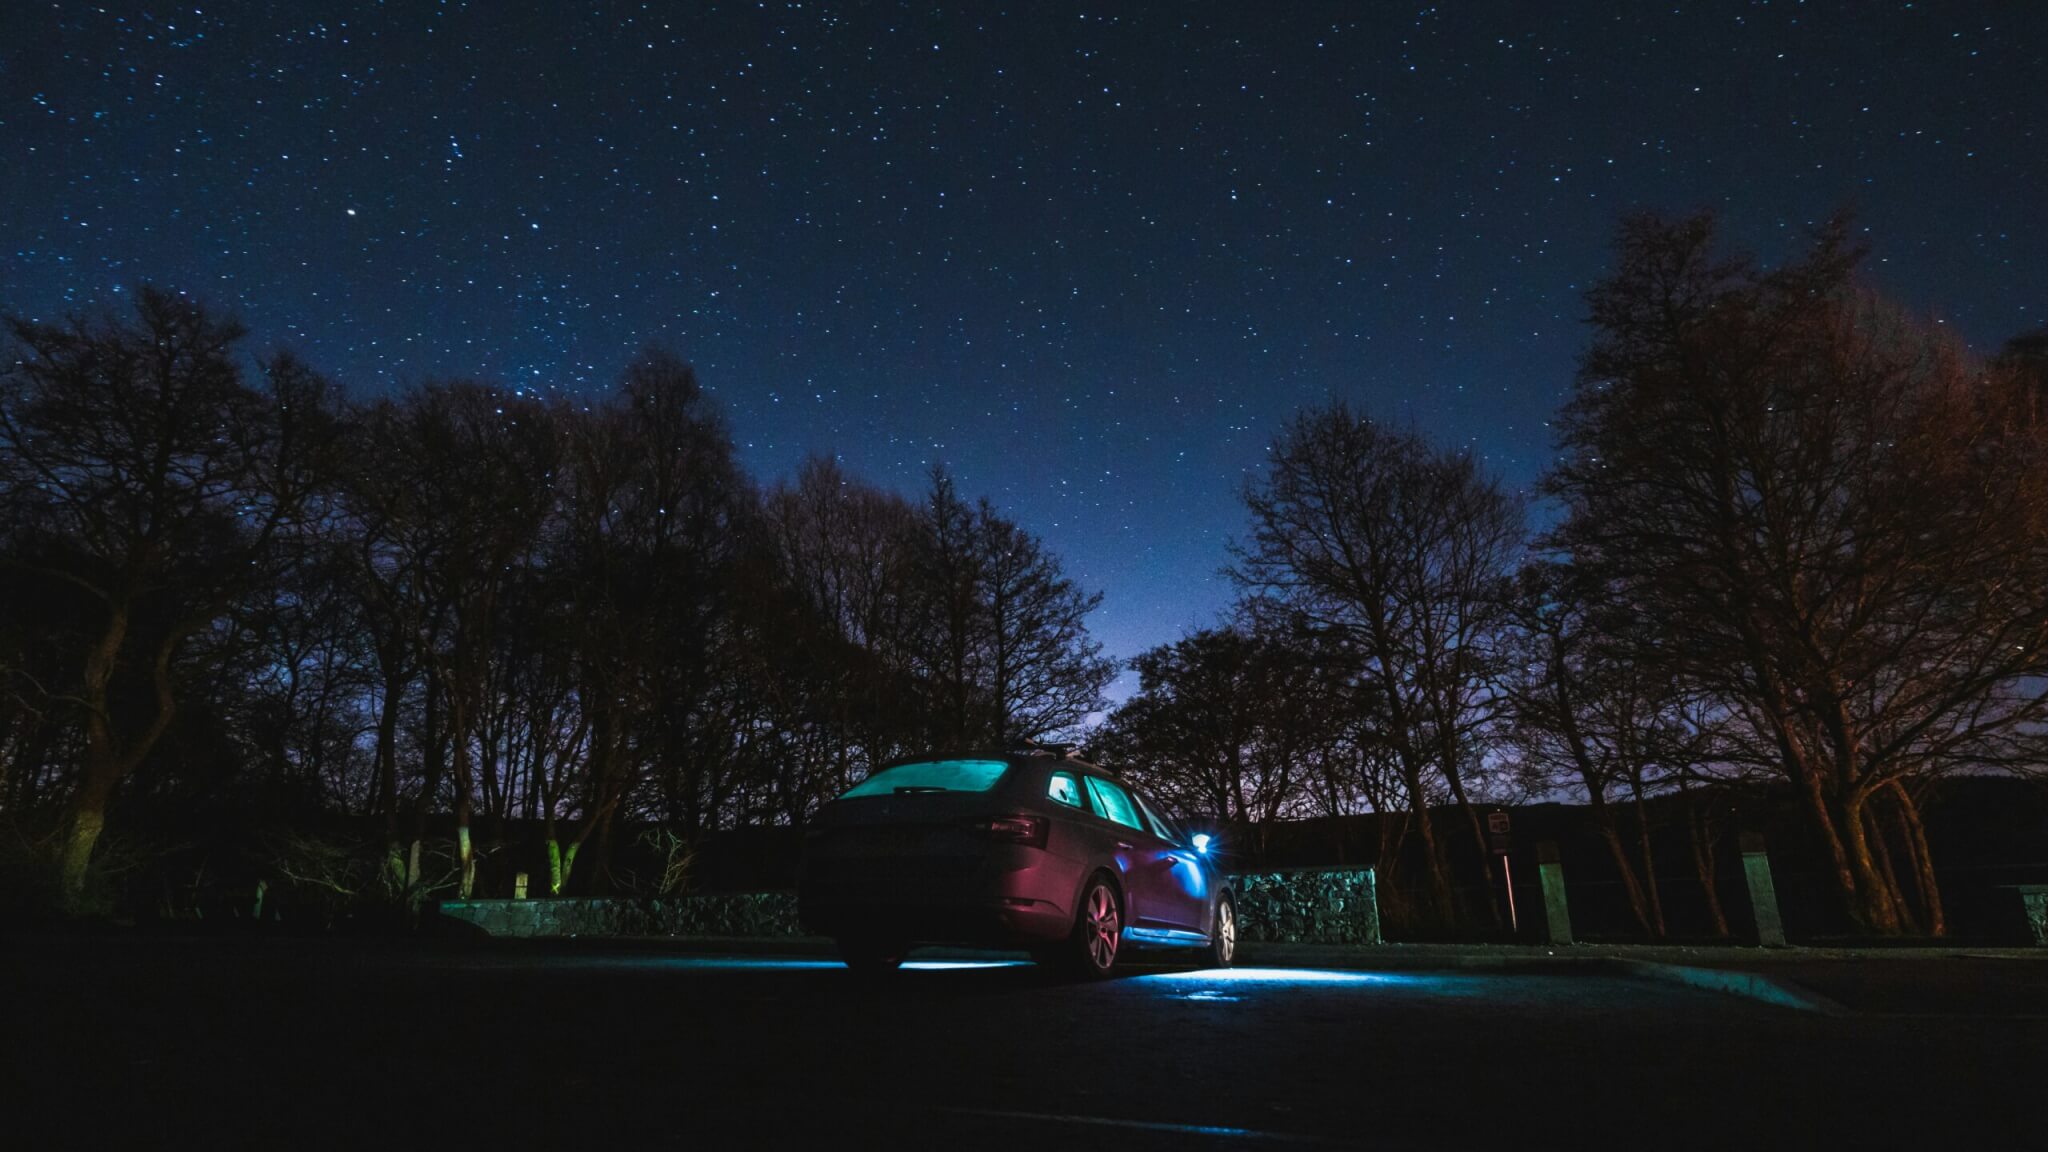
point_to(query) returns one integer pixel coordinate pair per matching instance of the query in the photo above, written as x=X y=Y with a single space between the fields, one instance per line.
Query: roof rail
x=1035 y=748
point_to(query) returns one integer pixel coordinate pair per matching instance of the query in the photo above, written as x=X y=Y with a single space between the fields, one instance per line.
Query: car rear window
x=932 y=776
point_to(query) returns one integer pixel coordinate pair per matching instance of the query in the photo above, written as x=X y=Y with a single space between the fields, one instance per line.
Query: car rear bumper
x=1001 y=922
x=1014 y=897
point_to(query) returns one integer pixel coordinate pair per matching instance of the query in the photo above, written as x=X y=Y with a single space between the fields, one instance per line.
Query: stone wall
x=760 y=914
x=2034 y=905
x=1299 y=906
x=1308 y=906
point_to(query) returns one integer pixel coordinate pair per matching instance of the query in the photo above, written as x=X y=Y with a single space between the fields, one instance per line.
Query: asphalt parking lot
x=264 y=1042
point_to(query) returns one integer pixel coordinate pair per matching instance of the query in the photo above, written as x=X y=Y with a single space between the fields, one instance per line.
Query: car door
x=1192 y=877
x=1152 y=889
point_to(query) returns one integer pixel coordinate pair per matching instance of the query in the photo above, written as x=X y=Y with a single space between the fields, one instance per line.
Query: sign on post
x=1498 y=843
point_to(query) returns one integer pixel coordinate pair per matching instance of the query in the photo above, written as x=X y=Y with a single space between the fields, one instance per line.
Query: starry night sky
x=1090 y=256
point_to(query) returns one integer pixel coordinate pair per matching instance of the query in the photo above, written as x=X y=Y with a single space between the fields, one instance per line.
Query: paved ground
x=150 y=1042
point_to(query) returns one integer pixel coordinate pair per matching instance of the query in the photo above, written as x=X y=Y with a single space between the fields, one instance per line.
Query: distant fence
x=1298 y=906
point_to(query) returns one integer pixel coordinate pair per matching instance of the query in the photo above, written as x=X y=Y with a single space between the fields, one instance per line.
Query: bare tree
x=144 y=471
x=463 y=482
x=845 y=550
x=1397 y=557
x=462 y=601
x=1044 y=674
x=1008 y=654
x=1225 y=724
x=1587 y=716
x=1824 y=515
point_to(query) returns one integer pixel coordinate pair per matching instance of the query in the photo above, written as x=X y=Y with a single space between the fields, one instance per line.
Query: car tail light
x=1023 y=829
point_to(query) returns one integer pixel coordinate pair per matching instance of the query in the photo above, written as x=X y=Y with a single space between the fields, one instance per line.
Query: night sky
x=1091 y=256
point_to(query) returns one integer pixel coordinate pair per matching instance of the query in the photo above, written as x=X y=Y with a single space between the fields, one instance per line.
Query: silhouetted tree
x=145 y=473
x=1396 y=558
x=464 y=481
x=1009 y=658
x=1589 y=717
x=1225 y=724
x=657 y=510
x=1825 y=516
x=845 y=551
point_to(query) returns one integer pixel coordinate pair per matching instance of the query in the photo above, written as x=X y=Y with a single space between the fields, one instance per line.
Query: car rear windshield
x=932 y=776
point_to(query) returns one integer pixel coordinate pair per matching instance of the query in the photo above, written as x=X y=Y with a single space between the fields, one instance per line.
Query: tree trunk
x=561 y=862
x=1870 y=898
x=1649 y=860
x=1881 y=844
x=464 y=853
x=601 y=877
x=1432 y=852
x=1387 y=857
x=1612 y=837
x=1850 y=856
x=106 y=761
x=1702 y=840
x=387 y=775
x=1923 y=861
x=88 y=819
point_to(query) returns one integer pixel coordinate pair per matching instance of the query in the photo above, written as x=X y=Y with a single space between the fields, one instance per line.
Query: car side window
x=1114 y=803
x=1160 y=827
x=1065 y=789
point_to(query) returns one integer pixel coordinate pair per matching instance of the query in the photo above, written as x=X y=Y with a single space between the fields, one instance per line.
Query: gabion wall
x=1305 y=906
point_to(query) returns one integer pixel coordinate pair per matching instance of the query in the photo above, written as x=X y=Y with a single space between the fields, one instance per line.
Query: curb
x=1730 y=981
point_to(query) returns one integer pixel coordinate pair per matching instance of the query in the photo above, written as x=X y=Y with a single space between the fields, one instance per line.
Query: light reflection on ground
x=1288 y=976
x=773 y=963
x=1231 y=985
x=1215 y=985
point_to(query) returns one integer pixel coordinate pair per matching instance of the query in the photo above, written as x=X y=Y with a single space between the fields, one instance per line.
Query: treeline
x=1792 y=538
x=233 y=588
x=1798 y=538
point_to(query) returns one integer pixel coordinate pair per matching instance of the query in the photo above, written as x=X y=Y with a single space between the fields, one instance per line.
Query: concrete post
x=1763 y=895
x=1556 y=914
x=1372 y=907
x=519 y=886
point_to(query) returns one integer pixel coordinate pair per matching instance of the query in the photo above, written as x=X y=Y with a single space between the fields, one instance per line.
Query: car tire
x=872 y=956
x=1092 y=950
x=1221 y=951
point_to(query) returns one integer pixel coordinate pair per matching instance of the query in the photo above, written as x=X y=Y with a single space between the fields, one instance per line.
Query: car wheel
x=871 y=955
x=1222 y=949
x=1098 y=931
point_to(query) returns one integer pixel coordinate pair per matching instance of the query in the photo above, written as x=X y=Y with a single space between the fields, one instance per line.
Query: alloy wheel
x=1104 y=927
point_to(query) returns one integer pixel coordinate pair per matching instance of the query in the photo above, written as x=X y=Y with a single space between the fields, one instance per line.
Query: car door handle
x=1125 y=847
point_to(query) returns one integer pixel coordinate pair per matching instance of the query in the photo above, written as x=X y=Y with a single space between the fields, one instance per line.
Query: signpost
x=1498 y=841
